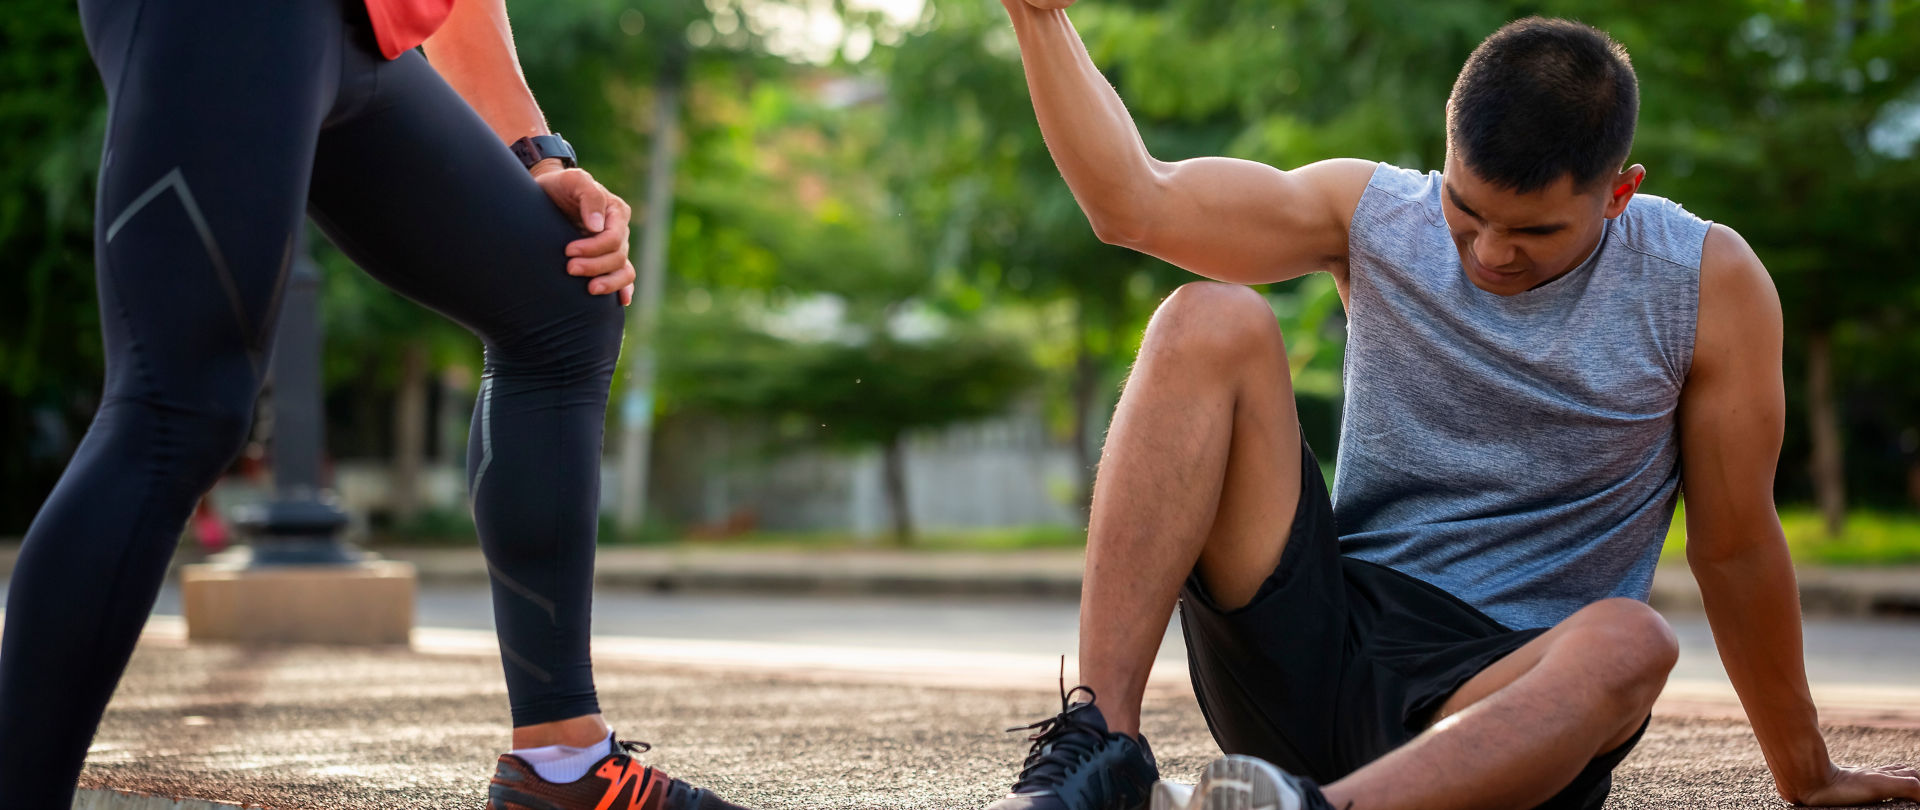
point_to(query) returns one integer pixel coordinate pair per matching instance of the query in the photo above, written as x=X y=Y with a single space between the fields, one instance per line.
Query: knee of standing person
x=581 y=342
x=1636 y=645
x=1212 y=321
x=603 y=326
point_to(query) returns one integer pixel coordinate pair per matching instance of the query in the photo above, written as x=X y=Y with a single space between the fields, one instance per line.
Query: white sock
x=564 y=763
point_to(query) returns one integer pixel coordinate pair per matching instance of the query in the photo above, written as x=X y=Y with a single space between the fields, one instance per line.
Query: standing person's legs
x=214 y=108
x=419 y=192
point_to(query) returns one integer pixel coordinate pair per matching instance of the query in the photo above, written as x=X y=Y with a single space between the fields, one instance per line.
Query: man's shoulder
x=1733 y=281
x=1739 y=306
x=1724 y=252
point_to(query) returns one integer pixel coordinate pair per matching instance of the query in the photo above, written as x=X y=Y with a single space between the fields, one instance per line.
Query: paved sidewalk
x=776 y=726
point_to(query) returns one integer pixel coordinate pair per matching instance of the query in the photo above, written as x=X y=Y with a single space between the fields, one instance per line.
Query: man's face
x=1509 y=242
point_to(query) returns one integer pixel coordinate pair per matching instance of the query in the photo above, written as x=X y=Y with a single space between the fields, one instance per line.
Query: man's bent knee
x=1636 y=645
x=1214 y=321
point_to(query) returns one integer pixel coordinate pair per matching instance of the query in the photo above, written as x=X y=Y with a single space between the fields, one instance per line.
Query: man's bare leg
x=1521 y=730
x=1201 y=465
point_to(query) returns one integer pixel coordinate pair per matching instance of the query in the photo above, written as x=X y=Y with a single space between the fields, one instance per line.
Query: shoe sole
x=1232 y=783
x=1170 y=796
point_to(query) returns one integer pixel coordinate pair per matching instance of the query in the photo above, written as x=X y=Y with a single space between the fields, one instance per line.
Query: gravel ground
x=324 y=729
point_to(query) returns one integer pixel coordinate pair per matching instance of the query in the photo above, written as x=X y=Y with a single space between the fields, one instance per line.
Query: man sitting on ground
x=1539 y=362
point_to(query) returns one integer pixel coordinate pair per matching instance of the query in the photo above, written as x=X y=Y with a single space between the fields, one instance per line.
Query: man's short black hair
x=1543 y=98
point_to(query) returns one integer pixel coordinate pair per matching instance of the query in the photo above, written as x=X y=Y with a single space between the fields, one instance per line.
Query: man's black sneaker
x=1241 y=783
x=1075 y=763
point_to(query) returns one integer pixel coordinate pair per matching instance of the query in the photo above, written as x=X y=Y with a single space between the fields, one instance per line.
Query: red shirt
x=404 y=24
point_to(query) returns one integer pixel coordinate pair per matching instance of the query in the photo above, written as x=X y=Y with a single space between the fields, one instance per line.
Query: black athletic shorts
x=1337 y=661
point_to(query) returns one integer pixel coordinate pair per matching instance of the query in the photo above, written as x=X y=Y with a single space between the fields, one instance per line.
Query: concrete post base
x=364 y=603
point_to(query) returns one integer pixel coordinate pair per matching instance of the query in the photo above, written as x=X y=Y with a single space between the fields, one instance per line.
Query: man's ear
x=1622 y=188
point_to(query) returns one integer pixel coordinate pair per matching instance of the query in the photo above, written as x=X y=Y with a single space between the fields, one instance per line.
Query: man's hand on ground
x=602 y=254
x=1854 y=786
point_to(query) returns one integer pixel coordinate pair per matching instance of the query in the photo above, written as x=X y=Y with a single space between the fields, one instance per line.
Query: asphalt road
x=317 y=729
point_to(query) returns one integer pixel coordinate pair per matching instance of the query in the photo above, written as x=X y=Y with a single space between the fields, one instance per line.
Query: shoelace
x=1060 y=741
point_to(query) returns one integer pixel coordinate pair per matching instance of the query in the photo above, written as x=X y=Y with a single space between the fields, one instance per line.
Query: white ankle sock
x=564 y=763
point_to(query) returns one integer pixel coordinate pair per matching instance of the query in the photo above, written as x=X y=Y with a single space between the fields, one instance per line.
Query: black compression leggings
x=229 y=121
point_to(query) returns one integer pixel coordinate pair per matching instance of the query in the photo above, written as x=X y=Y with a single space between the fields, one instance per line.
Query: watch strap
x=536 y=148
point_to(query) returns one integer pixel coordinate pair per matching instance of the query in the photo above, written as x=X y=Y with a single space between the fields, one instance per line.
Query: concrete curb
x=1840 y=592
x=1050 y=573
x=1891 y=592
x=125 y=800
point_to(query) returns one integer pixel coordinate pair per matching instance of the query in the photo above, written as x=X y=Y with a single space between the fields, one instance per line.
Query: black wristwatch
x=537 y=148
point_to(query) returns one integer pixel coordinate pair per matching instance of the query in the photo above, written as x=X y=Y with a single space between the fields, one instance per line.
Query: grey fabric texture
x=1518 y=451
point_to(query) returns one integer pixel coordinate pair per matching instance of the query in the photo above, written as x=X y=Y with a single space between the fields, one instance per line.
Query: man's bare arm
x=1732 y=419
x=1227 y=219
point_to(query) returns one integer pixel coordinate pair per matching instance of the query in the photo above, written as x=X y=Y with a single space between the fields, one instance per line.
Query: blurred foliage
x=890 y=188
x=868 y=391
x=1871 y=537
x=52 y=114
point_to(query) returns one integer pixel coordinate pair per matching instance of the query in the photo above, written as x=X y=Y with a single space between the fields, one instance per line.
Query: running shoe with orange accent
x=617 y=782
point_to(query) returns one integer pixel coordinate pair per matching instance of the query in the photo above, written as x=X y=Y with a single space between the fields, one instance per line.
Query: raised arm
x=1227 y=219
x=1732 y=417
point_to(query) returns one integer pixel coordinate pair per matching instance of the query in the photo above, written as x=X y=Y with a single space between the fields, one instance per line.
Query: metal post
x=636 y=402
x=302 y=524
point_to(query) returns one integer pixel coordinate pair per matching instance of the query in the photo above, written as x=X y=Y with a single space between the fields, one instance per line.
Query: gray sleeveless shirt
x=1519 y=452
